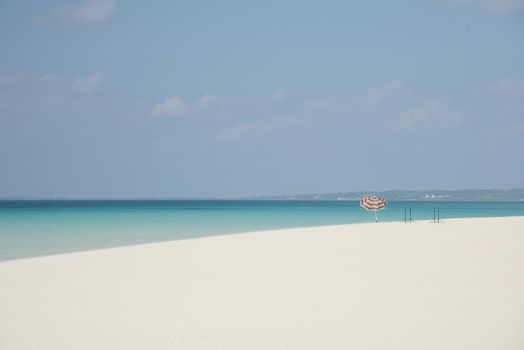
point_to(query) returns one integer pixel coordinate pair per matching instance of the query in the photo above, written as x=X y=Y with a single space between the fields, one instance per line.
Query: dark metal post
x=438 y=212
x=410 y=219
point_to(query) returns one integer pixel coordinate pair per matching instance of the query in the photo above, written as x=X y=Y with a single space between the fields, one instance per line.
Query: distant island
x=502 y=195
x=403 y=195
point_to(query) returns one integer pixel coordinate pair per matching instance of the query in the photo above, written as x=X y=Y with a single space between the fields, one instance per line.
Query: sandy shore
x=458 y=285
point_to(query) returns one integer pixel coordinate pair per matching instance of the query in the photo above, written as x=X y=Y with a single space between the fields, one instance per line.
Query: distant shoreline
x=488 y=195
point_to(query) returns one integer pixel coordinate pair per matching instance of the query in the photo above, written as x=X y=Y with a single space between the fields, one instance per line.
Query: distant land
x=513 y=195
x=403 y=195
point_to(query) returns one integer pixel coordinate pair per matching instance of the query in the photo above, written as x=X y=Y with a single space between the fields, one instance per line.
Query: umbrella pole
x=376 y=219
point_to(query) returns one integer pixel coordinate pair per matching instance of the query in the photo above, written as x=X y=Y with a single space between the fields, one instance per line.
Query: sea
x=30 y=228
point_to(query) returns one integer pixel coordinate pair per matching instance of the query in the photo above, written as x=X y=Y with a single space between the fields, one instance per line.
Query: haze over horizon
x=107 y=99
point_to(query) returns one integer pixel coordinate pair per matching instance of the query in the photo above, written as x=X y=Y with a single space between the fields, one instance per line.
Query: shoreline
x=425 y=221
x=455 y=285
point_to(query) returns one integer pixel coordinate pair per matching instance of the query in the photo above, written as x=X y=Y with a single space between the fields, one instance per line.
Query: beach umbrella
x=373 y=203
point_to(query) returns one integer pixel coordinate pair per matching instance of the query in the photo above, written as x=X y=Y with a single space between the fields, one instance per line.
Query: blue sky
x=104 y=98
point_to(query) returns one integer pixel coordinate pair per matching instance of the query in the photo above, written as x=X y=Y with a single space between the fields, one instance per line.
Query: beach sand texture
x=456 y=285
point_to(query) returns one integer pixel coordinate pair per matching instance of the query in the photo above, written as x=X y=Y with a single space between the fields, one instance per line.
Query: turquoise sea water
x=34 y=228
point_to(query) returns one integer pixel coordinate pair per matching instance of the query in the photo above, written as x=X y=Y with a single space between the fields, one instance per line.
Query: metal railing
x=410 y=219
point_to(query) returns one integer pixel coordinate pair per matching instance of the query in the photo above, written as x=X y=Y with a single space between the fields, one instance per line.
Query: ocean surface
x=35 y=228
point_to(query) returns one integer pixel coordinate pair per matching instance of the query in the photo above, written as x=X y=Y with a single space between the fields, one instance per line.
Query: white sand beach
x=456 y=285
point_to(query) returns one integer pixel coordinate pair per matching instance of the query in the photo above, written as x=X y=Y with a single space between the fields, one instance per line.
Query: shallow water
x=34 y=228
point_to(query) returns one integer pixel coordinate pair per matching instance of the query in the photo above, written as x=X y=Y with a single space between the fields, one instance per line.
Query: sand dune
x=457 y=285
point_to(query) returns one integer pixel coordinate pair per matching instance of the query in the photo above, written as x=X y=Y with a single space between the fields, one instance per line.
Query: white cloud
x=331 y=104
x=432 y=113
x=379 y=94
x=347 y=103
x=173 y=105
x=279 y=94
x=93 y=11
x=498 y=7
x=259 y=126
x=513 y=87
x=502 y=7
x=207 y=99
x=90 y=84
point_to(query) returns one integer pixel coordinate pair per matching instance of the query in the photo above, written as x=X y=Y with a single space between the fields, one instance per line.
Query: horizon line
x=246 y=197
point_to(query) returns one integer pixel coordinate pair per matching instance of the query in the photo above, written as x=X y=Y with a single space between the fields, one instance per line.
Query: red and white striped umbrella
x=373 y=203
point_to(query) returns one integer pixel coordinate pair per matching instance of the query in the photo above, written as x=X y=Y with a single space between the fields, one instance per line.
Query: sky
x=177 y=99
